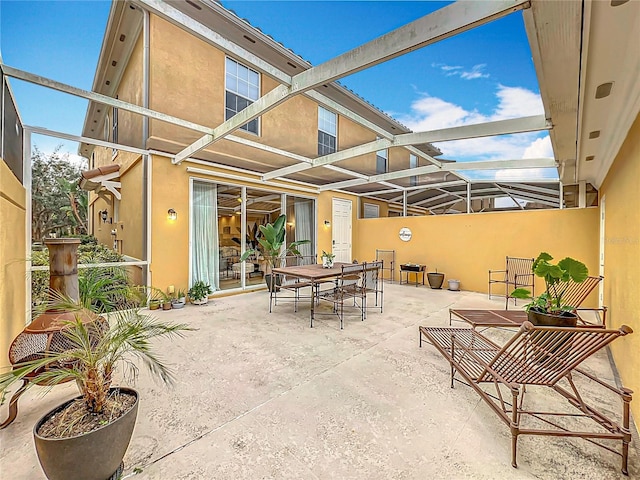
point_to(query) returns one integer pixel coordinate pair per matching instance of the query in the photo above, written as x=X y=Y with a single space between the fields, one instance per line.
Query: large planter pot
x=202 y=301
x=540 y=318
x=96 y=455
x=277 y=281
x=435 y=279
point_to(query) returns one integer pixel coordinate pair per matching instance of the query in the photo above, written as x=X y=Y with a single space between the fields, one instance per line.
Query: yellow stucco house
x=200 y=163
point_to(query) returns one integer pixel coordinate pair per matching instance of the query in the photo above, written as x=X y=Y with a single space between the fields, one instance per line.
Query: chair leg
x=626 y=399
x=514 y=448
x=13 y=405
x=515 y=430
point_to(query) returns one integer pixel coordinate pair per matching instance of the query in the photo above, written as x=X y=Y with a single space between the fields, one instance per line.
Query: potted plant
x=327 y=259
x=436 y=279
x=199 y=293
x=86 y=437
x=179 y=300
x=549 y=308
x=273 y=248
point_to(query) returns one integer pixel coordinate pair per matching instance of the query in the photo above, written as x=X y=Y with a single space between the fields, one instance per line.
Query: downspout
x=404 y=203
x=146 y=159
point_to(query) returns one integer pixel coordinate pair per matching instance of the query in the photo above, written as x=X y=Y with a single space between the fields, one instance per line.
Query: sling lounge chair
x=536 y=356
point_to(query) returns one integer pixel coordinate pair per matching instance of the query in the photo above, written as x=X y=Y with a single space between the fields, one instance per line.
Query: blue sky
x=484 y=74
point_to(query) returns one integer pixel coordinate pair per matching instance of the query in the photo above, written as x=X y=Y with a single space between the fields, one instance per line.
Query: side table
x=415 y=268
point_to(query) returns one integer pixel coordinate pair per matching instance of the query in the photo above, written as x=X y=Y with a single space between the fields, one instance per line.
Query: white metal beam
x=509 y=195
x=501 y=127
x=98 y=97
x=79 y=139
x=452 y=167
x=533 y=188
x=487 y=129
x=446 y=22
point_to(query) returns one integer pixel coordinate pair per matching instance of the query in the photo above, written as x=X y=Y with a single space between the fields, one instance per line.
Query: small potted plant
x=549 y=308
x=179 y=300
x=199 y=293
x=327 y=259
x=273 y=248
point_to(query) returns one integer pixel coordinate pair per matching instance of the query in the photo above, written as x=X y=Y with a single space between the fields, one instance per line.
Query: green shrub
x=109 y=288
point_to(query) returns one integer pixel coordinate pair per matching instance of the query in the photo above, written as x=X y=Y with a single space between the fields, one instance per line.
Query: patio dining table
x=314 y=274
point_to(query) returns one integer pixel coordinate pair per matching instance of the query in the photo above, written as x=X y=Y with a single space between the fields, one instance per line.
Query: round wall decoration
x=405 y=234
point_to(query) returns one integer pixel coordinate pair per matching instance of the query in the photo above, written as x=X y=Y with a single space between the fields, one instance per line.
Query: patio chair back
x=576 y=293
x=517 y=274
x=539 y=355
x=374 y=282
x=349 y=287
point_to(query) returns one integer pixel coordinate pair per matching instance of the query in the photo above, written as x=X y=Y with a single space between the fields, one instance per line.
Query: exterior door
x=601 y=256
x=341 y=231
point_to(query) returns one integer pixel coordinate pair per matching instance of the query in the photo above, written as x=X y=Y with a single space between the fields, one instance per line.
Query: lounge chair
x=535 y=356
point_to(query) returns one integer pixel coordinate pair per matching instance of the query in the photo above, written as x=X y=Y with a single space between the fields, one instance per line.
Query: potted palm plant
x=86 y=437
x=549 y=308
x=273 y=248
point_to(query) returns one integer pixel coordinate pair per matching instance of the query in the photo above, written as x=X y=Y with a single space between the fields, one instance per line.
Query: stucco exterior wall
x=465 y=247
x=170 y=238
x=13 y=271
x=621 y=193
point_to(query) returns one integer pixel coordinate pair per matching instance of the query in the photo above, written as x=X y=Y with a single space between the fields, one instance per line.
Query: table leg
x=313 y=300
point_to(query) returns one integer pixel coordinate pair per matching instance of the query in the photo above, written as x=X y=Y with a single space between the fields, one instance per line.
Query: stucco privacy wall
x=465 y=247
x=621 y=192
x=12 y=259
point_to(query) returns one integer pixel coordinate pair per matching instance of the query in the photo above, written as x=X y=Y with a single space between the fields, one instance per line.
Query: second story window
x=327 y=132
x=242 y=89
x=382 y=161
x=413 y=163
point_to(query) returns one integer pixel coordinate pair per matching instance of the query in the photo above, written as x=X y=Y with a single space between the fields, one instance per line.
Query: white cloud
x=539 y=148
x=453 y=70
x=475 y=72
x=433 y=113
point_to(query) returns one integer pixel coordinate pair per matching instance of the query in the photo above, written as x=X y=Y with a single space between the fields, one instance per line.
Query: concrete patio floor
x=262 y=395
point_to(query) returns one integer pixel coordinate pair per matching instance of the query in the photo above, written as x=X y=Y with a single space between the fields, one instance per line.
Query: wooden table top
x=312 y=272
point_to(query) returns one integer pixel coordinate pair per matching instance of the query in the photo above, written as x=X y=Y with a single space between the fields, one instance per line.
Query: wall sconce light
x=172 y=214
x=327 y=223
x=103 y=215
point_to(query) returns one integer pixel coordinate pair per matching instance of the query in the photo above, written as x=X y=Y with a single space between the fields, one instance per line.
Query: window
x=382 y=163
x=327 y=131
x=114 y=129
x=242 y=89
x=413 y=163
x=371 y=210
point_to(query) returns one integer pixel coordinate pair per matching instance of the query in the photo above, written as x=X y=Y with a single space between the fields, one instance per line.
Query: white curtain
x=204 y=253
x=303 y=210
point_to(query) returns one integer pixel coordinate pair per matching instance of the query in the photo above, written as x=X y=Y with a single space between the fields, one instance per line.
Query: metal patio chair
x=349 y=287
x=292 y=285
x=540 y=357
x=517 y=274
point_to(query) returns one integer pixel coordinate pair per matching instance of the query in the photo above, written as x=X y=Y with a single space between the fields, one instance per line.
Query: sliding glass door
x=225 y=222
